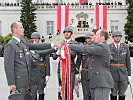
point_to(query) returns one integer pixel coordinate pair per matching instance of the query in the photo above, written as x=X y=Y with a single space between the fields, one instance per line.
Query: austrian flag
x=62 y=17
x=101 y=16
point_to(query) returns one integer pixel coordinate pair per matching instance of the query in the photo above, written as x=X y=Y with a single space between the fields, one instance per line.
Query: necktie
x=117 y=46
x=22 y=44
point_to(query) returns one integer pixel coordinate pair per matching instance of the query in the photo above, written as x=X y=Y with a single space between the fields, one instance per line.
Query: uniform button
x=97 y=72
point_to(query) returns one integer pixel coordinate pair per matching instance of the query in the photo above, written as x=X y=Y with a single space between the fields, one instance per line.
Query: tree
x=129 y=25
x=28 y=16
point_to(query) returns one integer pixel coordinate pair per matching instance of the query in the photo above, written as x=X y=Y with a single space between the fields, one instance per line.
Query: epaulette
x=16 y=42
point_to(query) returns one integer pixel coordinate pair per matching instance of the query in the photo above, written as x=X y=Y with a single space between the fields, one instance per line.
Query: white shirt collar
x=68 y=40
x=16 y=38
x=117 y=44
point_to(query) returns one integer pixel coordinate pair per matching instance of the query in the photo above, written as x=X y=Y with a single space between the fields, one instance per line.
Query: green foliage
x=5 y=39
x=28 y=16
x=129 y=25
x=1 y=40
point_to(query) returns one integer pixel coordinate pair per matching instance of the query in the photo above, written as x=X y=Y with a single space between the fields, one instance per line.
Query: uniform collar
x=17 y=39
x=68 y=40
x=117 y=44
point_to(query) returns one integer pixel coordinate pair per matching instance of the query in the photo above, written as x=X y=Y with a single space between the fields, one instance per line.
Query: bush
x=7 y=38
x=1 y=40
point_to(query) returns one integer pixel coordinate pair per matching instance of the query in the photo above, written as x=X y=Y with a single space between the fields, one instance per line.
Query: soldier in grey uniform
x=17 y=59
x=101 y=80
x=40 y=68
x=120 y=66
x=67 y=34
x=84 y=59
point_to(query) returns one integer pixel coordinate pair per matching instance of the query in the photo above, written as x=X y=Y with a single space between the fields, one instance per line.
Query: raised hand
x=58 y=46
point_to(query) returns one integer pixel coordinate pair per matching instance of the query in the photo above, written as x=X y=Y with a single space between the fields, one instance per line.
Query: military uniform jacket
x=120 y=56
x=38 y=72
x=17 y=61
x=84 y=60
x=100 y=75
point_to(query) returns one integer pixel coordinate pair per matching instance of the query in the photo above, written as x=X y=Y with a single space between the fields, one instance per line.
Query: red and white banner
x=83 y=1
x=66 y=68
x=101 y=16
x=62 y=17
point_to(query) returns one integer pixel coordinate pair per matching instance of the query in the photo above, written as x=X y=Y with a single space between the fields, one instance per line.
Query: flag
x=101 y=16
x=65 y=58
x=83 y=1
x=62 y=17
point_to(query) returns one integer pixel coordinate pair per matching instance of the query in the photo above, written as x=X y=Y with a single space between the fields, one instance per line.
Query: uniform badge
x=20 y=54
x=27 y=52
x=41 y=59
x=124 y=52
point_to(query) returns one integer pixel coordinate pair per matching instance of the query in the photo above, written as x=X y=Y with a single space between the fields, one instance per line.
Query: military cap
x=88 y=34
x=116 y=33
x=35 y=35
x=68 y=29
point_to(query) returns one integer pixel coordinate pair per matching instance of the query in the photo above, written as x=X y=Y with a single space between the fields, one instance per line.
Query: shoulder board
x=15 y=41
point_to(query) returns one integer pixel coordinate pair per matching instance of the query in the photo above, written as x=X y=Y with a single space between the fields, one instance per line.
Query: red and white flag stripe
x=62 y=17
x=101 y=16
x=83 y=1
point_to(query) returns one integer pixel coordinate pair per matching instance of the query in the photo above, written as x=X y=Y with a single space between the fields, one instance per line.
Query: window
x=50 y=27
x=106 y=1
x=114 y=24
x=0 y=28
x=58 y=1
x=91 y=21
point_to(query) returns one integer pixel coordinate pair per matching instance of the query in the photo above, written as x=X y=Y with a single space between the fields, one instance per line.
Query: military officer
x=101 y=80
x=68 y=31
x=40 y=68
x=120 y=66
x=17 y=60
x=84 y=59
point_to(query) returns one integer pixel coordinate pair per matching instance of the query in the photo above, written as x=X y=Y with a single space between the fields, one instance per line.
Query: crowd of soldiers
x=103 y=68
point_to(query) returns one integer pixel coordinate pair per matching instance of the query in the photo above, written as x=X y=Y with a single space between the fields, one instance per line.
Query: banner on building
x=66 y=68
x=101 y=16
x=83 y=1
x=62 y=17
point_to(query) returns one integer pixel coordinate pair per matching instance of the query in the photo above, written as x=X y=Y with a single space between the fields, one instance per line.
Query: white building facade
x=47 y=16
